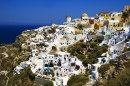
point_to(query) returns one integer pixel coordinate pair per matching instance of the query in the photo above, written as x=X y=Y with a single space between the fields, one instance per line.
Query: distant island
x=85 y=51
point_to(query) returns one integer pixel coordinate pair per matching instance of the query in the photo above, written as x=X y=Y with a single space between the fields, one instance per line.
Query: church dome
x=84 y=15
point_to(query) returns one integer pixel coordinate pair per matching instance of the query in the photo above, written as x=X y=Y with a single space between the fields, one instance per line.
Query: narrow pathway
x=7 y=80
x=125 y=52
x=5 y=73
x=6 y=55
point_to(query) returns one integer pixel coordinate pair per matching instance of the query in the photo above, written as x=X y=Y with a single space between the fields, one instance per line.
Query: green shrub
x=77 y=80
x=54 y=48
x=104 y=68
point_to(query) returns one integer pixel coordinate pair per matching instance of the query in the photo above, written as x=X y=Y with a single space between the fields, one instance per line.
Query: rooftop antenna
x=51 y=20
x=66 y=15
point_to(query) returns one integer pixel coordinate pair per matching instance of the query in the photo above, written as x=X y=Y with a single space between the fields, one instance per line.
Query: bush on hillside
x=104 y=68
x=77 y=80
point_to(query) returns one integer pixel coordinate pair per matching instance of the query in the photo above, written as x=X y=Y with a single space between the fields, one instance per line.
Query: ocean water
x=8 y=33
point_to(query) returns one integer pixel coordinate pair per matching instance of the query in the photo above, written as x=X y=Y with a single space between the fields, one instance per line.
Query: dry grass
x=2 y=50
x=77 y=31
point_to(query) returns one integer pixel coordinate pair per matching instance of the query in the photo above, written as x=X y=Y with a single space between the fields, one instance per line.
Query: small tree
x=104 y=68
x=81 y=57
x=85 y=62
x=99 y=52
x=126 y=40
x=77 y=80
x=54 y=48
x=79 y=26
x=125 y=15
x=96 y=26
x=93 y=44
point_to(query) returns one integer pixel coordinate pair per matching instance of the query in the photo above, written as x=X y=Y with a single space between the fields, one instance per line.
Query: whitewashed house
x=117 y=37
x=37 y=65
x=106 y=33
x=63 y=57
x=115 y=51
x=103 y=60
x=49 y=60
x=116 y=15
x=66 y=41
x=87 y=34
x=95 y=68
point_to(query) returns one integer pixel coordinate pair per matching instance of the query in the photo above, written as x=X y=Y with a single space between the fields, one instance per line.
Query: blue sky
x=46 y=11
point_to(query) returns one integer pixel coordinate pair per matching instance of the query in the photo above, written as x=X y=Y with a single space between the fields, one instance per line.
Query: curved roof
x=84 y=15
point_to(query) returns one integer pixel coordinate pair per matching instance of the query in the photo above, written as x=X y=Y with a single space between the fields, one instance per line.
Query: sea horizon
x=8 y=33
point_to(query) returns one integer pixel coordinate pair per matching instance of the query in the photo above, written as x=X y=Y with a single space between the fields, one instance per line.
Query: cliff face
x=15 y=55
x=22 y=38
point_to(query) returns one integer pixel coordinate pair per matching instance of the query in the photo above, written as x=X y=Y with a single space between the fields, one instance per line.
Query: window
x=69 y=60
x=60 y=55
x=112 y=18
x=114 y=25
x=46 y=65
x=93 y=67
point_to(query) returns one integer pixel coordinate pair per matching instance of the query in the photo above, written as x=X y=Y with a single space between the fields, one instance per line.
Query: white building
x=68 y=19
x=115 y=51
x=95 y=68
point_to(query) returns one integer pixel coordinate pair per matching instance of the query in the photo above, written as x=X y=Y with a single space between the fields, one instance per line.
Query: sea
x=8 y=33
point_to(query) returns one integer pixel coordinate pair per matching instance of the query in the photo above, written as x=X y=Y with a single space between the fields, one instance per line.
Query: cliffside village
x=53 y=56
